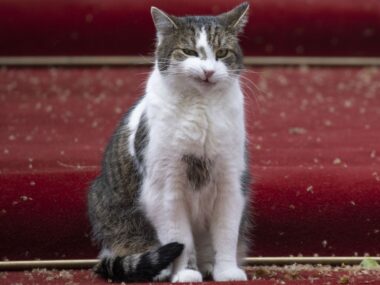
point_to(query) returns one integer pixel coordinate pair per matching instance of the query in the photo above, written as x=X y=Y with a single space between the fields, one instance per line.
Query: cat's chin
x=206 y=83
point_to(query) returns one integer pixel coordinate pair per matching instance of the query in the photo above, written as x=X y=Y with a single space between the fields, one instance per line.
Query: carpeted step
x=314 y=146
x=258 y=275
x=117 y=27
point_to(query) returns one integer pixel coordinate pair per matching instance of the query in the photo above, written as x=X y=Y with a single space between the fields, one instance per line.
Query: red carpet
x=314 y=145
x=293 y=275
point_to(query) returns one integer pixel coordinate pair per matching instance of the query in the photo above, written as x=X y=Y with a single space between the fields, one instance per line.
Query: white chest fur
x=201 y=124
x=209 y=125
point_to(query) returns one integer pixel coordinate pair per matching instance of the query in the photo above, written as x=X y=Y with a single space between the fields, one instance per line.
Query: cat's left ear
x=237 y=18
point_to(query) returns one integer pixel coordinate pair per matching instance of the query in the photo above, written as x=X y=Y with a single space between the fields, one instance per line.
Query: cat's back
x=119 y=178
x=114 y=194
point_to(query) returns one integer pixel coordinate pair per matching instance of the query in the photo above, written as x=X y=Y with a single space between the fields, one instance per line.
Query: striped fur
x=176 y=33
x=141 y=267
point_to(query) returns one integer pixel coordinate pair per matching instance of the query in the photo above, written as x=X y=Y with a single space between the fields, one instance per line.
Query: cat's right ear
x=163 y=22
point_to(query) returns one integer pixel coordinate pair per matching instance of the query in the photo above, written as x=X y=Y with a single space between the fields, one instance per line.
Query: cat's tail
x=141 y=267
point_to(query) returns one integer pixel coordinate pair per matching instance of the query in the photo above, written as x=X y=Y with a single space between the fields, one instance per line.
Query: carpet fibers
x=260 y=275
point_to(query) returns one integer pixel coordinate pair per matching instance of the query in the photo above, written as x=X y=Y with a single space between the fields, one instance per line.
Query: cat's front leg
x=229 y=206
x=167 y=210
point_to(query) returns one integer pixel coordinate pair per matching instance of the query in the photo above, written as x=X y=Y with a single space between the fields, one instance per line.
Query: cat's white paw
x=163 y=276
x=187 y=275
x=229 y=274
x=206 y=269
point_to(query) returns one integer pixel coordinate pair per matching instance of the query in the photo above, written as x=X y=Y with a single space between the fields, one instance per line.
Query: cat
x=171 y=199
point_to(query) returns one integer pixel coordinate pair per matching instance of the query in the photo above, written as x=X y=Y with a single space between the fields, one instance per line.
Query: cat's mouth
x=205 y=82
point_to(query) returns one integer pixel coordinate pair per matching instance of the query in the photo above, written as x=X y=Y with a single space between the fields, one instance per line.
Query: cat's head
x=200 y=51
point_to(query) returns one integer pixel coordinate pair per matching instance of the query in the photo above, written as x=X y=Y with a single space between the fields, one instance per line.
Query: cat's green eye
x=190 y=52
x=221 y=53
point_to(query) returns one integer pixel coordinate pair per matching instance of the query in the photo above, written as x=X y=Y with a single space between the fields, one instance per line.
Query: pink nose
x=208 y=73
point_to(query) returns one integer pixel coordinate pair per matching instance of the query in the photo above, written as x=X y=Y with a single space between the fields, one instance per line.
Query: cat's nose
x=208 y=73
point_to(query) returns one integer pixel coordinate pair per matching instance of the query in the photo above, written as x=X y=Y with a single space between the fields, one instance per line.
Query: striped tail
x=141 y=267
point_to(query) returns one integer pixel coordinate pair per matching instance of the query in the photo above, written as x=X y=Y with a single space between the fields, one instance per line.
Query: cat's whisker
x=252 y=93
x=247 y=79
x=252 y=71
x=243 y=70
x=144 y=73
x=247 y=83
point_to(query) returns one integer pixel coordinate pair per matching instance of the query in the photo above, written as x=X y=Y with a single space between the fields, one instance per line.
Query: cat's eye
x=190 y=52
x=221 y=53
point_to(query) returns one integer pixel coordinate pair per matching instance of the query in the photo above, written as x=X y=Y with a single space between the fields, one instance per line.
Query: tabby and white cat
x=170 y=201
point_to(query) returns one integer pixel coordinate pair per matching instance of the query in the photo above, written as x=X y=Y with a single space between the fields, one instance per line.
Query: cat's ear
x=237 y=18
x=163 y=22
